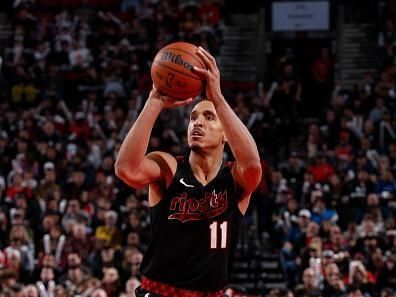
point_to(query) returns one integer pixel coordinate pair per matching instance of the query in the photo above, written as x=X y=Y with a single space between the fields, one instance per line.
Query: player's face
x=205 y=129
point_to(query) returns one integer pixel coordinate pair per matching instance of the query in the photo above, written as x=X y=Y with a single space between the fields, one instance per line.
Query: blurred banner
x=300 y=15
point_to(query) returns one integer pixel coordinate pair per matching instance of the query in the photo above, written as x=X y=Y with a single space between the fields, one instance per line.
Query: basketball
x=172 y=71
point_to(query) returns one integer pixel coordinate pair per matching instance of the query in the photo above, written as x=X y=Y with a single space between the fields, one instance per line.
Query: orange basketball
x=172 y=72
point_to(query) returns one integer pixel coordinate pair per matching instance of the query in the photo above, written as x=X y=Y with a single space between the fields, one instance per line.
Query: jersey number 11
x=214 y=232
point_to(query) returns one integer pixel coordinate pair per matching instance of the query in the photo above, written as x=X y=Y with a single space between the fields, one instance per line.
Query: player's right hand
x=166 y=102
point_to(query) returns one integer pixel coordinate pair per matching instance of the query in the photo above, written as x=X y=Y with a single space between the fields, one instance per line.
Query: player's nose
x=199 y=121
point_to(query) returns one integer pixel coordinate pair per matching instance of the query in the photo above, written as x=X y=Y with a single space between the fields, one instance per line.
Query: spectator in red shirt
x=321 y=169
x=209 y=13
x=17 y=187
x=79 y=128
x=344 y=148
x=323 y=66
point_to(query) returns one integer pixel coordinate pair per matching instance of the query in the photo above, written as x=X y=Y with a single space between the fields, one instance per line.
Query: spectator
x=79 y=241
x=319 y=211
x=99 y=293
x=130 y=287
x=321 y=169
x=75 y=274
x=30 y=291
x=109 y=233
x=333 y=284
x=111 y=282
x=363 y=279
x=308 y=287
x=22 y=250
x=354 y=291
x=385 y=277
x=73 y=215
x=322 y=72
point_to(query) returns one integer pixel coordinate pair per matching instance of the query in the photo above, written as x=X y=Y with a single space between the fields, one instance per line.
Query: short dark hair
x=283 y=292
x=353 y=288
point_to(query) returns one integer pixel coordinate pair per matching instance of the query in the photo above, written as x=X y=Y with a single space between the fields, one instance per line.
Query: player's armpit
x=243 y=203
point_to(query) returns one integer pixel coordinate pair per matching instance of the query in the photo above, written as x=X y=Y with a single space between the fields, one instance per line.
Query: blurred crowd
x=330 y=202
x=73 y=82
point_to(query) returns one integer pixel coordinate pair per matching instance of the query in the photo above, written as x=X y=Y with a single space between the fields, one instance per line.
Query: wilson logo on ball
x=177 y=59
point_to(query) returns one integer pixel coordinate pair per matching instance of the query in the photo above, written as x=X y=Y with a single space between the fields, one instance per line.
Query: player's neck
x=205 y=167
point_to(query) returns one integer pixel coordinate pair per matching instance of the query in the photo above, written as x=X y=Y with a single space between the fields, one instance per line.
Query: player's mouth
x=196 y=133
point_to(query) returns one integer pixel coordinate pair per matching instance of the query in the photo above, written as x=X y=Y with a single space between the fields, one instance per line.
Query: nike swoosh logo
x=187 y=185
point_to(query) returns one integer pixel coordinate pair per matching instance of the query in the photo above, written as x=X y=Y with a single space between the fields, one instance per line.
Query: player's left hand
x=211 y=75
x=165 y=102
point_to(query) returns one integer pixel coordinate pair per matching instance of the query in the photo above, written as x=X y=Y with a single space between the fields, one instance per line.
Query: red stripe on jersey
x=170 y=291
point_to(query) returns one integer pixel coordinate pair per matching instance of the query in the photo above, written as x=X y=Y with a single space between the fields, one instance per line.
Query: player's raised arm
x=243 y=146
x=133 y=165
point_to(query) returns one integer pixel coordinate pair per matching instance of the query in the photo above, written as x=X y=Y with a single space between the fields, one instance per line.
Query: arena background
x=314 y=81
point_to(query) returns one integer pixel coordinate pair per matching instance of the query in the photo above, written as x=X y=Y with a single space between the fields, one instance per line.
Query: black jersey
x=194 y=231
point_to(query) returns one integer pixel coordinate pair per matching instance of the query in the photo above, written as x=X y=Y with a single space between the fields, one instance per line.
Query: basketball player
x=197 y=202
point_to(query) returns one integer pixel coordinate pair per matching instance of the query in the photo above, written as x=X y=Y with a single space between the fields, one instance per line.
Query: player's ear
x=224 y=140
